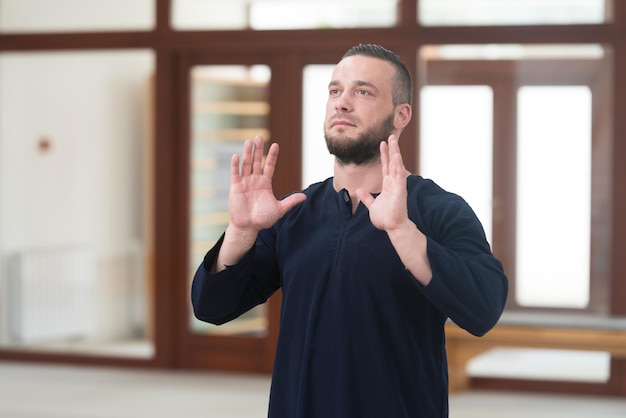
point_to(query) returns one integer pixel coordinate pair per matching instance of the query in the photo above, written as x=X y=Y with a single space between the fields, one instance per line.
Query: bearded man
x=371 y=262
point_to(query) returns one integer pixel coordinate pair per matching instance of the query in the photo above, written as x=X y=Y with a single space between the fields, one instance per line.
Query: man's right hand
x=252 y=205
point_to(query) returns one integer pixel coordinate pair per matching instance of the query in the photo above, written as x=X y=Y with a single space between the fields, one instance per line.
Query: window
x=553 y=196
x=317 y=162
x=456 y=143
x=229 y=105
x=511 y=12
x=31 y=16
x=533 y=107
x=75 y=180
x=282 y=14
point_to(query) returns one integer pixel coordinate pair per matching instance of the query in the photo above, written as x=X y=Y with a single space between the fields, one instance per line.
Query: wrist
x=402 y=230
x=240 y=236
x=237 y=241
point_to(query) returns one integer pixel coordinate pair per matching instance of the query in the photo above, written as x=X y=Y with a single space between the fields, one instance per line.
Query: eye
x=362 y=92
x=333 y=92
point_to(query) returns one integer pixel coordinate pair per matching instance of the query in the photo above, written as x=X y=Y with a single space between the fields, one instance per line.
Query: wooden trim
x=505 y=179
x=586 y=339
x=462 y=346
x=166 y=153
x=542 y=34
x=229 y=40
x=243 y=354
x=72 y=41
x=618 y=227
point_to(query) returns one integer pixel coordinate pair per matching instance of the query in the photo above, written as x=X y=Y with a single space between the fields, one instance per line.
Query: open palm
x=388 y=210
x=252 y=204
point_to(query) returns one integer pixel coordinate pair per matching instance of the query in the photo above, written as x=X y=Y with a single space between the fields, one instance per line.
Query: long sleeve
x=469 y=284
x=220 y=297
x=359 y=336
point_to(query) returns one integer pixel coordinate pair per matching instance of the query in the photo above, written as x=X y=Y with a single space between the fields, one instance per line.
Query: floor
x=51 y=391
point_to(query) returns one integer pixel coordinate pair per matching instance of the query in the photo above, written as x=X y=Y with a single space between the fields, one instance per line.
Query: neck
x=351 y=177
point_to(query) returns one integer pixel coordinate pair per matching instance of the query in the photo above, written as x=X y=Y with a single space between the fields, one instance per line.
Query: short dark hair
x=403 y=87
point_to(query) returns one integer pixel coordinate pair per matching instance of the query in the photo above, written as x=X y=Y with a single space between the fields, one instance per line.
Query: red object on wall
x=45 y=143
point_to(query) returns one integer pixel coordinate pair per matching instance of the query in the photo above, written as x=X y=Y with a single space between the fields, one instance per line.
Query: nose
x=342 y=104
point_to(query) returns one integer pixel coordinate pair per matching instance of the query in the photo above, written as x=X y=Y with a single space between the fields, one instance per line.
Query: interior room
x=118 y=120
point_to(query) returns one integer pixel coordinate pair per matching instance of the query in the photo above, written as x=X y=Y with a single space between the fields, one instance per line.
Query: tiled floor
x=50 y=391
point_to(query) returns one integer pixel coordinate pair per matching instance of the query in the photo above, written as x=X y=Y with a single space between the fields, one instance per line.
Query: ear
x=402 y=117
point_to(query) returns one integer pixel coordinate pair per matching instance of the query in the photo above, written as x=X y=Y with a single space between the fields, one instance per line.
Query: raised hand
x=252 y=204
x=388 y=211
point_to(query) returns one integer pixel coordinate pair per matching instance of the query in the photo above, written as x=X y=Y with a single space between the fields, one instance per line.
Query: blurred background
x=118 y=120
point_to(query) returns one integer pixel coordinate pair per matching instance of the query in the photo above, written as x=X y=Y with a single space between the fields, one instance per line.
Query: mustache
x=341 y=118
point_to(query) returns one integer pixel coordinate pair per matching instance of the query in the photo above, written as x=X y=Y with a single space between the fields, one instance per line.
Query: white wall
x=86 y=189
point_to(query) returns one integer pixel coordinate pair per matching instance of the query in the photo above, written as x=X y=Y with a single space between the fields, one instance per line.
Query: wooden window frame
x=504 y=77
x=291 y=50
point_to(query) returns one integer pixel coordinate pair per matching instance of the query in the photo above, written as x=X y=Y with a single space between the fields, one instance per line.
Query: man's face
x=360 y=111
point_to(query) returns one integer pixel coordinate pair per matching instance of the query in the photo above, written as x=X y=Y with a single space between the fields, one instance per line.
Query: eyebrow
x=359 y=83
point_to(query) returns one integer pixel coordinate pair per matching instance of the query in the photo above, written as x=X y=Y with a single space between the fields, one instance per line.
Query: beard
x=363 y=149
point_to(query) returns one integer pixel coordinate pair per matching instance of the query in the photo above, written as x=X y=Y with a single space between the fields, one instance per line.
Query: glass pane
x=511 y=12
x=294 y=14
x=229 y=105
x=75 y=15
x=75 y=251
x=317 y=162
x=554 y=194
x=458 y=156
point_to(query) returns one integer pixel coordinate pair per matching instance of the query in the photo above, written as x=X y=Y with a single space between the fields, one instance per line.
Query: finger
x=246 y=158
x=366 y=198
x=395 y=157
x=270 y=160
x=290 y=201
x=235 y=177
x=384 y=157
x=257 y=157
x=393 y=146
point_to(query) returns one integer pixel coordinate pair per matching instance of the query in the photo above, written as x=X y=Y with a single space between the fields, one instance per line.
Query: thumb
x=366 y=198
x=290 y=201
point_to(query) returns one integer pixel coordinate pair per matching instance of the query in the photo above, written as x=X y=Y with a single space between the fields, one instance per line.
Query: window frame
x=292 y=50
x=505 y=77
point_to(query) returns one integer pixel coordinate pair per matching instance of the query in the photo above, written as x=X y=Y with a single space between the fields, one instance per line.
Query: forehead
x=358 y=69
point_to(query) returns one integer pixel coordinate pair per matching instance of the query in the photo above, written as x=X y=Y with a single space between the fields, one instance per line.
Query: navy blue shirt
x=359 y=336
